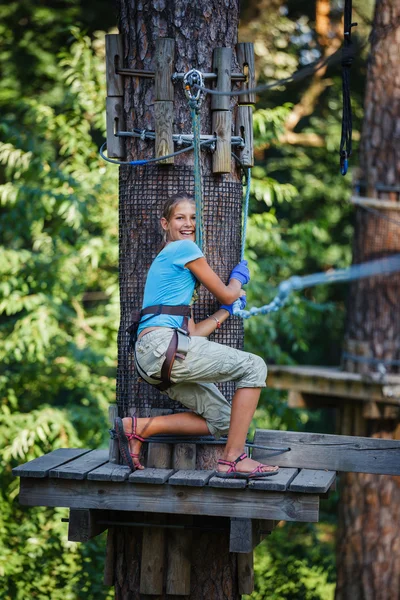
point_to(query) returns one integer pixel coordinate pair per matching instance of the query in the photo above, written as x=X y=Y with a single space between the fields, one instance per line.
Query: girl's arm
x=226 y=294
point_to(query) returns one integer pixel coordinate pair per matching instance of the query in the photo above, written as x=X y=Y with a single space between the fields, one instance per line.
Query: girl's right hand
x=240 y=303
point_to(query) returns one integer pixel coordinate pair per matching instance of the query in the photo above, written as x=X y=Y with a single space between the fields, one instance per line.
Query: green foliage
x=294 y=563
x=59 y=306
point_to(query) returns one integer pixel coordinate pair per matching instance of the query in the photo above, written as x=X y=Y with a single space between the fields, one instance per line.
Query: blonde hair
x=171 y=204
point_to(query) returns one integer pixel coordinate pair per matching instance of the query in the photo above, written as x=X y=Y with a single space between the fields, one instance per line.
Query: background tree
x=369 y=527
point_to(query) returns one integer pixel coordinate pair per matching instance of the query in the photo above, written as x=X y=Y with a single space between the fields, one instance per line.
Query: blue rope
x=383 y=266
x=245 y=212
x=194 y=110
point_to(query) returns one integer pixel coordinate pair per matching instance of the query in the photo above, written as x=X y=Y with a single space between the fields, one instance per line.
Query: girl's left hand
x=239 y=304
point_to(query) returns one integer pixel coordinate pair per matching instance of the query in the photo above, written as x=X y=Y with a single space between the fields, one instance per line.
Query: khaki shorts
x=206 y=363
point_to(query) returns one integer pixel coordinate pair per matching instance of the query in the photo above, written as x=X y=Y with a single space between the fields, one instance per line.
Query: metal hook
x=190 y=79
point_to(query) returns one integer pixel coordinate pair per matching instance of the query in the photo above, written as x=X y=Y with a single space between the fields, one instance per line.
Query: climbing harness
x=347 y=61
x=194 y=96
x=178 y=345
x=383 y=266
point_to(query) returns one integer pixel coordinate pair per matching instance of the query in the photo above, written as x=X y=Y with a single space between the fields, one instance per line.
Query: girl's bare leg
x=244 y=404
x=180 y=423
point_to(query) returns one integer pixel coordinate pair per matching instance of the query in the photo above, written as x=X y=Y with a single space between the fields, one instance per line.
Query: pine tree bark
x=197 y=28
x=368 y=549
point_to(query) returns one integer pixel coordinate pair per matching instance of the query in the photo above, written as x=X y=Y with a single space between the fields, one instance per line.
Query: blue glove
x=241 y=272
x=239 y=304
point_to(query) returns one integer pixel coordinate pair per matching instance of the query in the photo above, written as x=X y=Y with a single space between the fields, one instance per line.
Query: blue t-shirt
x=169 y=282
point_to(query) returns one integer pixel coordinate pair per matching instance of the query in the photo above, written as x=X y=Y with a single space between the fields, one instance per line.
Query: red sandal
x=231 y=473
x=124 y=439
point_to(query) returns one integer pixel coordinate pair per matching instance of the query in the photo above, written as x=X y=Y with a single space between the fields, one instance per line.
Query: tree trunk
x=368 y=550
x=197 y=29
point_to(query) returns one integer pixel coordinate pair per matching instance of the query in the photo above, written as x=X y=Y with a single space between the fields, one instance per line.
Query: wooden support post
x=114 y=122
x=110 y=557
x=115 y=91
x=244 y=128
x=245 y=58
x=152 y=563
x=113 y=449
x=164 y=98
x=114 y=61
x=222 y=60
x=159 y=456
x=180 y=542
x=221 y=114
x=246 y=573
x=153 y=542
x=221 y=128
x=83 y=524
x=244 y=115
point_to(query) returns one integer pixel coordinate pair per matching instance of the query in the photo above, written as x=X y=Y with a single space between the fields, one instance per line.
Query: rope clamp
x=190 y=79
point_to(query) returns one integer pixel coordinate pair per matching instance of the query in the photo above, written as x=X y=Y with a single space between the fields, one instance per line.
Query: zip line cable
x=298 y=75
x=383 y=266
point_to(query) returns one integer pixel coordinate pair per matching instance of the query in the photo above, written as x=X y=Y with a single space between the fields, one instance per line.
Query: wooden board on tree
x=330 y=452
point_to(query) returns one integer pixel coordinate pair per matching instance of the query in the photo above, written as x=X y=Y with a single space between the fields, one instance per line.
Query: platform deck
x=86 y=480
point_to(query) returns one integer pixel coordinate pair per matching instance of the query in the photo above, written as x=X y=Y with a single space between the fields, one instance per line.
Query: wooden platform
x=335 y=383
x=84 y=479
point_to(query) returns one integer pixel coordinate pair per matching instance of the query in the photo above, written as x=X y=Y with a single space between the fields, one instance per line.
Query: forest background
x=59 y=300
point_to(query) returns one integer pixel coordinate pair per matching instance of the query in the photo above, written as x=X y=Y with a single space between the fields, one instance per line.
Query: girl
x=188 y=374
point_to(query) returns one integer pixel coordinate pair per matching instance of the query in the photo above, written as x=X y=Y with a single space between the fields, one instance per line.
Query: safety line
x=383 y=266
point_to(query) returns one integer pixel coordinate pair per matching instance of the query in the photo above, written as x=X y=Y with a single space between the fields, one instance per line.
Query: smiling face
x=182 y=223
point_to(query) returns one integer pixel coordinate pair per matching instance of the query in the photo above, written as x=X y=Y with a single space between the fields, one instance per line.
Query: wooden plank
x=151 y=476
x=219 y=482
x=159 y=456
x=164 y=69
x=312 y=481
x=170 y=499
x=113 y=449
x=241 y=535
x=329 y=381
x=179 y=544
x=83 y=524
x=152 y=561
x=245 y=58
x=110 y=558
x=244 y=128
x=164 y=119
x=191 y=478
x=40 y=467
x=110 y=472
x=376 y=203
x=221 y=128
x=179 y=551
x=278 y=482
x=80 y=467
x=221 y=64
x=184 y=456
x=245 y=573
x=114 y=123
x=114 y=61
x=331 y=452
